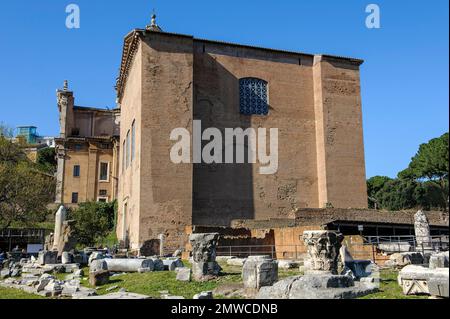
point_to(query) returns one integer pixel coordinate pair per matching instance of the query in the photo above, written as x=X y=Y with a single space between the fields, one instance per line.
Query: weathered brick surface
x=174 y=79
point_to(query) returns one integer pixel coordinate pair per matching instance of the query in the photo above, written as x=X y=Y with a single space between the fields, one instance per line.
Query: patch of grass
x=389 y=288
x=11 y=293
x=152 y=283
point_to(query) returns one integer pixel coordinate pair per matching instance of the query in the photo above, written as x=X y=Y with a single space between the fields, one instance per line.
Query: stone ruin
x=323 y=248
x=321 y=279
x=259 y=271
x=204 y=265
x=422 y=231
x=432 y=280
x=36 y=275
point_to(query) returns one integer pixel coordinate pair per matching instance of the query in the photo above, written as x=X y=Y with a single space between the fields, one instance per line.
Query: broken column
x=161 y=244
x=204 y=265
x=60 y=217
x=67 y=240
x=422 y=231
x=259 y=271
x=129 y=265
x=322 y=250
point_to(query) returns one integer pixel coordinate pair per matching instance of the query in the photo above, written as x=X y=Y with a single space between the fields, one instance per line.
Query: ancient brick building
x=87 y=152
x=168 y=81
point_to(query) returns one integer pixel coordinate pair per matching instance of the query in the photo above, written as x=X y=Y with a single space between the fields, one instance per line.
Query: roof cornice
x=132 y=40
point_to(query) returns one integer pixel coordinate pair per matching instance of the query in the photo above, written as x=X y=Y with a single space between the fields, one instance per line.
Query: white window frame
x=106 y=198
x=100 y=172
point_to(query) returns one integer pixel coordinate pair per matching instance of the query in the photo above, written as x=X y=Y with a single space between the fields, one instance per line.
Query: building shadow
x=221 y=192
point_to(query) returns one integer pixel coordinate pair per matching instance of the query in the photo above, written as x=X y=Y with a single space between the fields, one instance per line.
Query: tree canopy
x=424 y=183
x=46 y=159
x=25 y=190
x=94 y=221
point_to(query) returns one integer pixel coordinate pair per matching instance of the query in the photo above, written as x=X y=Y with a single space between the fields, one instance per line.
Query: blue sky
x=404 y=79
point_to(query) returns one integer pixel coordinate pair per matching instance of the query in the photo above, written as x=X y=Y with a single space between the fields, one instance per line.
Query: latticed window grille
x=253 y=96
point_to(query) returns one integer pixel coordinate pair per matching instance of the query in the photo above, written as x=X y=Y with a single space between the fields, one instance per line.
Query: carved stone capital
x=323 y=250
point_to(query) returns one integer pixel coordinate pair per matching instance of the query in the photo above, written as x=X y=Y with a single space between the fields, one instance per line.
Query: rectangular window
x=123 y=157
x=102 y=199
x=103 y=192
x=76 y=131
x=128 y=149
x=133 y=140
x=104 y=172
x=76 y=171
x=74 y=198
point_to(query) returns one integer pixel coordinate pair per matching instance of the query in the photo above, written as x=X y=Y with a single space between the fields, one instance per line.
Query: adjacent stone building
x=87 y=152
x=168 y=81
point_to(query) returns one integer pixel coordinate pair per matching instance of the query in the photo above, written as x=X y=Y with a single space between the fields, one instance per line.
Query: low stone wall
x=317 y=216
x=287 y=242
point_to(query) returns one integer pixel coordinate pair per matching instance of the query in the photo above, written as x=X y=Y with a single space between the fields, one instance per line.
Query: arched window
x=253 y=96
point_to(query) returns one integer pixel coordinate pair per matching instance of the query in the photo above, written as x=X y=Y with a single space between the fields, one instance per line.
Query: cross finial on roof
x=153 y=26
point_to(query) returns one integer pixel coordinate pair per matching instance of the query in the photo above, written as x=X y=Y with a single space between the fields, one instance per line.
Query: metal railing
x=246 y=250
x=409 y=243
x=370 y=248
x=22 y=233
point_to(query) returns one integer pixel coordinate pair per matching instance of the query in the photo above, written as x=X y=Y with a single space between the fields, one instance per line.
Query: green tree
x=46 y=159
x=25 y=191
x=398 y=194
x=94 y=221
x=11 y=153
x=431 y=164
x=374 y=186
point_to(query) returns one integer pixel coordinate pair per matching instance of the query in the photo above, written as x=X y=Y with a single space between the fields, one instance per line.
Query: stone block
x=398 y=247
x=325 y=286
x=202 y=271
x=183 y=274
x=47 y=257
x=99 y=278
x=404 y=259
x=236 y=262
x=4 y=273
x=439 y=260
x=288 y=264
x=415 y=280
x=258 y=272
x=97 y=265
x=54 y=286
x=438 y=287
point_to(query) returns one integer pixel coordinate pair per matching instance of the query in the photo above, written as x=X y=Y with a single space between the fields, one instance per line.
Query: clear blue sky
x=404 y=79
